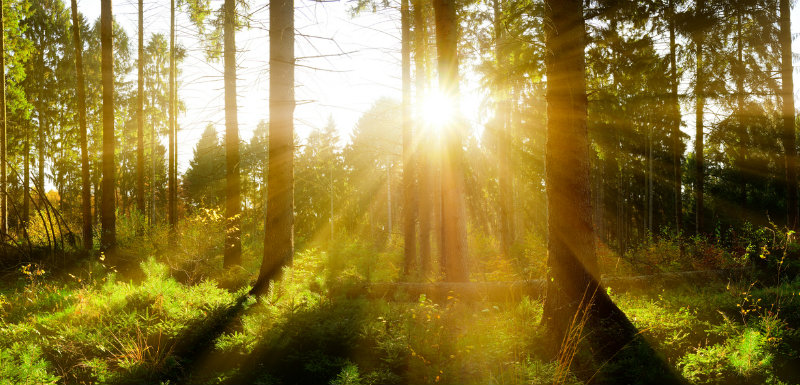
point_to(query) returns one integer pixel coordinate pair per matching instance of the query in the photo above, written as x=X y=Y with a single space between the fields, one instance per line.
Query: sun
x=438 y=110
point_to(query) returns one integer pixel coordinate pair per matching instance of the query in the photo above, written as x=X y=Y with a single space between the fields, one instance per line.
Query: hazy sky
x=345 y=64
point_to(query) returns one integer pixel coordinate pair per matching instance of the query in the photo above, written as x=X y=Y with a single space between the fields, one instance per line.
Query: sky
x=345 y=63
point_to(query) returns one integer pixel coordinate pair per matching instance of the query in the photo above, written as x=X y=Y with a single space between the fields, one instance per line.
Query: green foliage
x=23 y=364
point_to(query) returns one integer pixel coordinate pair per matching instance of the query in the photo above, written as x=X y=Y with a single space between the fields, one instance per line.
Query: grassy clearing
x=175 y=319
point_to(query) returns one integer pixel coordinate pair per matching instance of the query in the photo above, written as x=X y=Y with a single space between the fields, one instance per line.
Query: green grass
x=171 y=325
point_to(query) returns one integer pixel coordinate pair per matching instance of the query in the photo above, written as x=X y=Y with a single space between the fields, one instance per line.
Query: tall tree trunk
x=41 y=150
x=572 y=285
x=3 y=176
x=454 y=232
x=424 y=193
x=140 y=117
x=787 y=95
x=699 y=171
x=233 y=242
x=676 y=121
x=279 y=231
x=409 y=171
x=741 y=129
x=86 y=194
x=504 y=177
x=26 y=187
x=172 y=204
x=108 y=239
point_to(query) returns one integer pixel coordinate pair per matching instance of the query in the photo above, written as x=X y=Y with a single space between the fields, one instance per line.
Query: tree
x=108 y=216
x=503 y=128
x=86 y=194
x=204 y=179
x=140 y=116
x=454 y=232
x=572 y=285
x=424 y=191
x=699 y=93
x=788 y=116
x=279 y=231
x=3 y=176
x=409 y=174
x=230 y=22
x=172 y=194
x=233 y=200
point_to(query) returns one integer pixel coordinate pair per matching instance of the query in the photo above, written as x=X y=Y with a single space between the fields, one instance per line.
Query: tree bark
x=108 y=239
x=454 y=233
x=699 y=177
x=572 y=284
x=504 y=177
x=789 y=132
x=676 y=122
x=233 y=243
x=279 y=231
x=140 y=117
x=3 y=171
x=172 y=204
x=409 y=172
x=86 y=194
x=424 y=193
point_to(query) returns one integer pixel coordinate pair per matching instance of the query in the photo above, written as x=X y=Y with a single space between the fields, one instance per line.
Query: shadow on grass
x=311 y=345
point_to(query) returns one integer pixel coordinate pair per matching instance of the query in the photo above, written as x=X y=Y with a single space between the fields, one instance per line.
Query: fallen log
x=506 y=291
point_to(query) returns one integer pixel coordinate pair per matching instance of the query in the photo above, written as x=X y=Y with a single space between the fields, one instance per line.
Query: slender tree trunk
x=424 y=192
x=650 y=187
x=40 y=147
x=505 y=179
x=152 y=170
x=389 y=199
x=86 y=193
x=279 y=230
x=26 y=187
x=233 y=242
x=172 y=211
x=699 y=175
x=108 y=239
x=409 y=171
x=454 y=232
x=789 y=132
x=676 y=122
x=140 y=117
x=741 y=130
x=3 y=171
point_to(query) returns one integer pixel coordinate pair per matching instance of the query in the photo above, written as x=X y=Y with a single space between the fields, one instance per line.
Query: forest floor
x=155 y=324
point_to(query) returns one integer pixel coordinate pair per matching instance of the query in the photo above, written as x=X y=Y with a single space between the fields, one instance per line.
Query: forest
x=536 y=192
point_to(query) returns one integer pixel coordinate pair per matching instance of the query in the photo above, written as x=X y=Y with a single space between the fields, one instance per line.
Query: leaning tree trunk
x=233 y=242
x=454 y=232
x=790 y=154
x=279 y=234
x=140 y=117
x=108 y=238
x=409 y=174
x=86 y=187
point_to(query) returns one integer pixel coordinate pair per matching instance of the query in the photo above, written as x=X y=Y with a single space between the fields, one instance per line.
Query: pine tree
x=279 y=231
x=454 y=232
